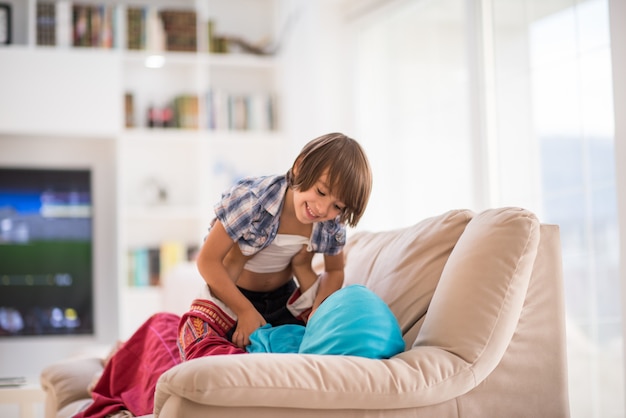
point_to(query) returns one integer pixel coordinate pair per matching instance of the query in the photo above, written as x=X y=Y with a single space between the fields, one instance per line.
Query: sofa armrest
x=67 y=381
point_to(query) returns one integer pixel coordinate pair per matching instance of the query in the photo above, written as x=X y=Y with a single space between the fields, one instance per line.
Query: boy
x=267 y=229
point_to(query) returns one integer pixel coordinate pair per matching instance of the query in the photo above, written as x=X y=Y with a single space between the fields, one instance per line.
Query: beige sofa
x=480 y=301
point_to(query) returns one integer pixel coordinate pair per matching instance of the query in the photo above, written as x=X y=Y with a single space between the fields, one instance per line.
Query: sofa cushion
x=476 y=306
x=403 y=266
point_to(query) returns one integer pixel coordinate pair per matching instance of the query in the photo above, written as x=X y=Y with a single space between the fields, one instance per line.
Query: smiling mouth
x=310 y=212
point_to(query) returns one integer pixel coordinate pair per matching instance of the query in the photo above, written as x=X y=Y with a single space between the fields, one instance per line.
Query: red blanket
x=130 y=377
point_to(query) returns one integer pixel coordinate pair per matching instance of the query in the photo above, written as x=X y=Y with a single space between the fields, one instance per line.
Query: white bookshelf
x=55 y=92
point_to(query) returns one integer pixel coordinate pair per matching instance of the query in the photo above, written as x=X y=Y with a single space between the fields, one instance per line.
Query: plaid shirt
x=250 y=213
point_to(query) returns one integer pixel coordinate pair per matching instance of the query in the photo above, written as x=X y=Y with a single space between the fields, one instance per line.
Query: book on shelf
x=139 y=272
x=154 y=266
x=238 y=112
x=171 y=253
x=185 y=110
x=261 y=114
x=129 y=110
x=147 y=265
x=216 y=108
x=46 y=23
x=81 y=25
x=136 y=27
x=180 y=29
x=107 y=36
x=92 y=25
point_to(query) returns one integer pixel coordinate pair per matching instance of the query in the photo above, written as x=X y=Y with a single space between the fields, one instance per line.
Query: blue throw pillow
x=281 y=339
x=352 y=321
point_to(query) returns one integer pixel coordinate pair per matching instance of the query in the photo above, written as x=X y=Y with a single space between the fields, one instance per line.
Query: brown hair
x=349 y=174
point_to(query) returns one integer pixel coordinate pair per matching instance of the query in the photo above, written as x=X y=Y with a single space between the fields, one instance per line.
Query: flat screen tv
x=46 y=257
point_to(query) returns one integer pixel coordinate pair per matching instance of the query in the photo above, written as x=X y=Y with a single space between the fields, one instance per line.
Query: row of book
x=248 y=112
x=147 y=265
x=181 y=113
x=161 y=30
x=66 y=23
x=63 y=23
x=224 y=111
x=92 y=26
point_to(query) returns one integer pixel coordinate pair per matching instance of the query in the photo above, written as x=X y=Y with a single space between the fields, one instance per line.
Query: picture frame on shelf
x=5 y=24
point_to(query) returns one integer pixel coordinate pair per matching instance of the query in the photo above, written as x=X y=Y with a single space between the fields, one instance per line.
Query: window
x=553 y=80
x=522 y=116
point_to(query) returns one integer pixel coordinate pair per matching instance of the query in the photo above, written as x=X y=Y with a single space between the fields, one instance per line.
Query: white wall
x=73 y=93
x=315 y=72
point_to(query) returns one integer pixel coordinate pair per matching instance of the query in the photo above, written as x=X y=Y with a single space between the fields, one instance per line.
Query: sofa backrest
x=403 y=266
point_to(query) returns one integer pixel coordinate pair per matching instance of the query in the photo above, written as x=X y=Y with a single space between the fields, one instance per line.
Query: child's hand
x=302 y=259
x=247 y=323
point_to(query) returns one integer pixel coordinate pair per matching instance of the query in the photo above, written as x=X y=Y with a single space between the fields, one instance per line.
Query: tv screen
x=46 y=261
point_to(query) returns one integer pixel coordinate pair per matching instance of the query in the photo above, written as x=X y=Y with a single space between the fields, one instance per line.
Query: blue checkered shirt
x=250 y=213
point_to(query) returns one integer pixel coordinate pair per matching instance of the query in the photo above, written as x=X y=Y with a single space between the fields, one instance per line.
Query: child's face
x=317 y=204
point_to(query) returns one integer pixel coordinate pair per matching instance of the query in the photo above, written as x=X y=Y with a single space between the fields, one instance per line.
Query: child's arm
x=330 y=280
x=217 y=249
